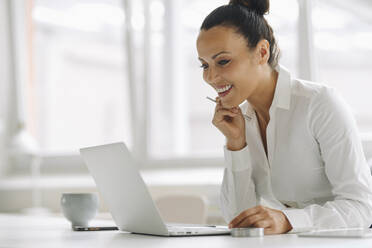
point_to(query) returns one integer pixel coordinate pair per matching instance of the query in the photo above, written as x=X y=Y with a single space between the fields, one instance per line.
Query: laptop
x=127 y=197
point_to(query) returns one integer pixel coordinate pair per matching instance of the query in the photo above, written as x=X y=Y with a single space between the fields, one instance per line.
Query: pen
x=209 y=98
x=245 y=115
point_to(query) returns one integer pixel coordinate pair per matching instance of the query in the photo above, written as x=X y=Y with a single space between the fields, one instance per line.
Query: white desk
x=29 y=231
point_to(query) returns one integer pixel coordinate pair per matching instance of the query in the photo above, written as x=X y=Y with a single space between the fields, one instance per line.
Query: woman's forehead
x=219 y=39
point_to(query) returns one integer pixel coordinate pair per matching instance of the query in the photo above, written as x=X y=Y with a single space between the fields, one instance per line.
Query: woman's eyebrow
x=214 y=56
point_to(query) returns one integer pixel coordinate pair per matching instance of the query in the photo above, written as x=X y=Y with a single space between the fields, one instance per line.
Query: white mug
x=79 y=208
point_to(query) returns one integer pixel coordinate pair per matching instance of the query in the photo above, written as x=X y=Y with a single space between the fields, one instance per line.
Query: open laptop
x=129 y=201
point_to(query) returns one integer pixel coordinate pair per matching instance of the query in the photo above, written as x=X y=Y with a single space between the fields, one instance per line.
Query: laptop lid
x=123 y=189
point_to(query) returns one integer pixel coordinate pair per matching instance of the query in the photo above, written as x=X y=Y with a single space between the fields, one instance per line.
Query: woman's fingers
x=251 y=220
x=243 y=215
x=233 y=110
x=221 y=115
x=222 y=112
x=229 y=121
x=257 y=220
x=262 y=223
x=272 y=220
x=219 y=106
x=269 y=230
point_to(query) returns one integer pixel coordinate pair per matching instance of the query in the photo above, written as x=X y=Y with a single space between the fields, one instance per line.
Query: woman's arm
x=335 y=130
x=238 y=190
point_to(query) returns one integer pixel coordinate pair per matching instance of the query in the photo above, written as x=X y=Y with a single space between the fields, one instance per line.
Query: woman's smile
x=225 y=58
x=223 y=91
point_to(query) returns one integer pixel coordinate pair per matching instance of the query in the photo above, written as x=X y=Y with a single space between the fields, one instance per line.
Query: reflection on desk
x=49 y=231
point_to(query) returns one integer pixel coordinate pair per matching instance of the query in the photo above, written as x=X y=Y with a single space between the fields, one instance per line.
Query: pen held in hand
x=209 y=98
x=229 y=118
x=226 y=118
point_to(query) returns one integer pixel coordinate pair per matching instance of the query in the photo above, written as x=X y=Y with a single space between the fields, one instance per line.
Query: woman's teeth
x=226 y=88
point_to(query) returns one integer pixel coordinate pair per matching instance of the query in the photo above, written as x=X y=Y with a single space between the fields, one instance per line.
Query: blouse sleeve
x=334 y=129
x=238 y=189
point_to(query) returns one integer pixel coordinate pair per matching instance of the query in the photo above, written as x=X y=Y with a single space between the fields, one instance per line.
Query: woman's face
x=229 y=66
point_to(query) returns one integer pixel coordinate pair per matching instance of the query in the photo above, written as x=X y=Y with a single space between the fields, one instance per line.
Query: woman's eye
x=204 y=66
x=223 y=62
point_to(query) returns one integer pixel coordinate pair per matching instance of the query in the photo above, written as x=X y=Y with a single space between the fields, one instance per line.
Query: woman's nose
x=212 y=76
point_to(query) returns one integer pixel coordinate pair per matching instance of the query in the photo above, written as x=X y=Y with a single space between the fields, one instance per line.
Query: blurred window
x=79 y=92
x=180 y=123
x=343 y=41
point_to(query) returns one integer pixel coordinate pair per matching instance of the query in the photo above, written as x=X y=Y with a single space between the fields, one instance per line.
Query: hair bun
x=258 y=6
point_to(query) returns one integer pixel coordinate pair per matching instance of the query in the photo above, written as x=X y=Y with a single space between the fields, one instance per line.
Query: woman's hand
x=230 y=122
x=274 y=221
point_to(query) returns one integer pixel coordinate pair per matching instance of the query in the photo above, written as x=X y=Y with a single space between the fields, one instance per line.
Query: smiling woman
x=296 y=162
x=228 y=68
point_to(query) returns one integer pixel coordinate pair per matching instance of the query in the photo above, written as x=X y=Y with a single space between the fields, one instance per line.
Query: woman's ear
x=263 y=51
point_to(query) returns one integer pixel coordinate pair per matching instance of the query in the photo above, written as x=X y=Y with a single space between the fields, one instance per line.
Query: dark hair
x=246 y=16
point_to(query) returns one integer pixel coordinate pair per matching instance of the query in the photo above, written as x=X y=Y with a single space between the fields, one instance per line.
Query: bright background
x=76 y=73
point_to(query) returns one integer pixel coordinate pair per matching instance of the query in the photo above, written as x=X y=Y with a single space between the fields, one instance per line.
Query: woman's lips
x=222 y=94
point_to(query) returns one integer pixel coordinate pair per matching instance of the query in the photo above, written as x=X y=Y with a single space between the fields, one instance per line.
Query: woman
x=294 y=160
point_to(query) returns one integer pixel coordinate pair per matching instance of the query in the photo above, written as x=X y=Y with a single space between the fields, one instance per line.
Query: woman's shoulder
x=309 y=89
x=323 y=102
x=318 y=96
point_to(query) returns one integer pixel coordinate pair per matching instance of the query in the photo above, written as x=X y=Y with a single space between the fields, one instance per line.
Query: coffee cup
x=79 y=208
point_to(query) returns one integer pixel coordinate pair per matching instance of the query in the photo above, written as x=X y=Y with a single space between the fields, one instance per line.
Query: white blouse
x=315 y=171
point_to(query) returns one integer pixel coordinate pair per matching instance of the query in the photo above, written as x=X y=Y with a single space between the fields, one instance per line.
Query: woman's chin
x=230 y=103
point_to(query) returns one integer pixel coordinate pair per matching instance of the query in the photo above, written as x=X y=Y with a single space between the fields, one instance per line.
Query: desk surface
x=33 y=231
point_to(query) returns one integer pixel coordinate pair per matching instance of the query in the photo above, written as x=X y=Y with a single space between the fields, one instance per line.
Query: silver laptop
x=128 y=199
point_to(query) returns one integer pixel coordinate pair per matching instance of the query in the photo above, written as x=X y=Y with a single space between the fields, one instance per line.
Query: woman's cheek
x=205 y=77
